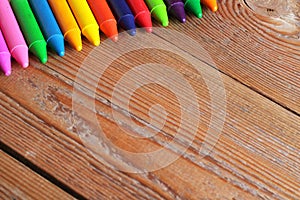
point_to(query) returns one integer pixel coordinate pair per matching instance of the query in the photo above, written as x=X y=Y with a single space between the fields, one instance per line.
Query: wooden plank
x=256 y=156
x=258 y=152
x=35 y=138
x=259 y=51
x=19 y=182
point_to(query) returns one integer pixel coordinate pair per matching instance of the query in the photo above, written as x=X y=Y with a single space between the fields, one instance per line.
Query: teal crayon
x=48 y=25
x=30 y=28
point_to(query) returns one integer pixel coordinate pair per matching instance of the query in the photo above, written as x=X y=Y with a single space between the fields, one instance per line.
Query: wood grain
x=19 y=182
x=258 y=51
x=243 y=160
x=256 y=157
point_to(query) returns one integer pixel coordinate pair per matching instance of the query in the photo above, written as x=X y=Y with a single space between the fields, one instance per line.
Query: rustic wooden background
x=256 y=48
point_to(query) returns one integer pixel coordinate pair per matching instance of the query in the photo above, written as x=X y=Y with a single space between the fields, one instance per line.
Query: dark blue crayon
x=48 y=25
x=123 y=15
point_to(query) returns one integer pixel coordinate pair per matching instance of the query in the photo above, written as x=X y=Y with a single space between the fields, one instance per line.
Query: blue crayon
x=48 y=25
x=123 y=15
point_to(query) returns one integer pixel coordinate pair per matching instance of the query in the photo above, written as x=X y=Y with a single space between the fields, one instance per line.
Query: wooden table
x=257 y=154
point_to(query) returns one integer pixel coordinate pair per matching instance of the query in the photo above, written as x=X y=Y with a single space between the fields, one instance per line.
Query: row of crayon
x=35 y=24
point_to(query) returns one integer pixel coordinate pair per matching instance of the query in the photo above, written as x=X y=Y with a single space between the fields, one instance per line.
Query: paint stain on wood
x=282 y=15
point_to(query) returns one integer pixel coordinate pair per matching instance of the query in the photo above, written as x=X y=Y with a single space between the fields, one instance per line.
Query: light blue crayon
x=48 y=25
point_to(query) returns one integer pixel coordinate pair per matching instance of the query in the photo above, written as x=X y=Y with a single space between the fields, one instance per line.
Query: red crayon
x=142 y=15
x=105 y=18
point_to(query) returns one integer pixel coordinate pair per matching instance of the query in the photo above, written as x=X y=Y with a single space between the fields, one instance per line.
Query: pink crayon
x=5 y=63
x=12 y=34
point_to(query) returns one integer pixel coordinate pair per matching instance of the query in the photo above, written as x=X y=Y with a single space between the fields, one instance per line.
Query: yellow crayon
x=67 y=23
x=86 y=20
x=211 y=4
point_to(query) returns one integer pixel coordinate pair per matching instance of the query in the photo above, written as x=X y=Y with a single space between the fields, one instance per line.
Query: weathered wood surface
x=257 y=155
x=19 y=182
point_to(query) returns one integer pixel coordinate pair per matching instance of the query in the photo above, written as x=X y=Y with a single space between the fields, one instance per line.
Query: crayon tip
x=160 y=14
x=56 y=42
x=109 y=28
x=149 y=29
x=127 y=23
x=74 y=38
x=25 y=65
x=194 y=7
x=143 y=19
x=61 y=53
x=211 y=4
x=96 y=42
x=114 y=38
x=39 y=49
x=214 y=8
x=20 y=54
x=177 y=10
x=5 y=63
x=131 y=32
x=165 y=23
x=7 y=73
x=92 y=34
x=199 y=15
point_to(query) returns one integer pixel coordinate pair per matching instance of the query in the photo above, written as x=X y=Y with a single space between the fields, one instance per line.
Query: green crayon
x=30 y=29
x=158 y=10
x=194 y=7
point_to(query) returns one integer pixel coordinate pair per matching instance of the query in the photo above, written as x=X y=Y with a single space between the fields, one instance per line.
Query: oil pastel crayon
x=5 y=63
x=86 y=20
x=158 y=10
x=211 y=4
x=12 y=34
x=30 y=28
x=67 y=23
x=48 y=25
x=176 y=8
x=141 y=13
x=105 y=18
x=123 y=15
x=193 y=6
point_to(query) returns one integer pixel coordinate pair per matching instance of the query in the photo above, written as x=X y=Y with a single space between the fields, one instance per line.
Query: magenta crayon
x=176 y=8
x=12 y=34
x=5 y=63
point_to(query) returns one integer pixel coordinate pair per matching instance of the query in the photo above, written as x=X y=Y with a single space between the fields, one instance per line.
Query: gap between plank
x=8 y=150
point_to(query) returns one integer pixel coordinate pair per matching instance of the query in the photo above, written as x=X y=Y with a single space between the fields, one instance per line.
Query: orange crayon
x=67 y=22
x=105 y=18
x=211 y=4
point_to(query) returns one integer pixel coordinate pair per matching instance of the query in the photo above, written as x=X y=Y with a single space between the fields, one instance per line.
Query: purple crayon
x=176 y=8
